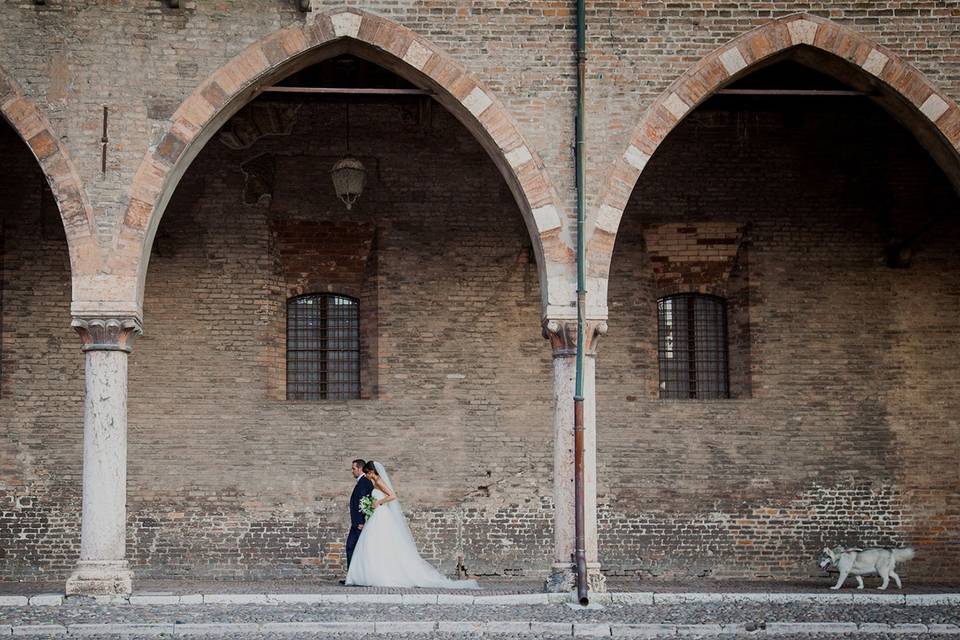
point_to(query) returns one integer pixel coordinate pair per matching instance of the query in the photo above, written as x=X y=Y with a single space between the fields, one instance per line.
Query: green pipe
x=578 y=408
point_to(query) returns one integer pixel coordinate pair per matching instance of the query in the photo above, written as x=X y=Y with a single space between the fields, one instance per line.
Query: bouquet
x=366 y=505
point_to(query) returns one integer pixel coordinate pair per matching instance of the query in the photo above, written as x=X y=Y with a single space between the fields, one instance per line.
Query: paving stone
x=506 y=626
x=554 y=628
x=46 y=600
x=39 y=629
x=235 y=598
x=642 y=630
x=288 y=598
x=423 y=626
x=154 y=600
x=592 y=630
x=205 y=628
x=13 y=601
x=448 y=626
x=699 y=629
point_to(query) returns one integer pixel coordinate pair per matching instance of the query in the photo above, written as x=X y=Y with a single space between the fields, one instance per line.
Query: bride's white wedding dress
x=386 y=555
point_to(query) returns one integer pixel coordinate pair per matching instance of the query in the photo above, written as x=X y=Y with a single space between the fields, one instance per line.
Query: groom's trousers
x=352 y=538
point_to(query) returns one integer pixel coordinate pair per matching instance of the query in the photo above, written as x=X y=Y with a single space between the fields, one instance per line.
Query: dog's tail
x=899 y=555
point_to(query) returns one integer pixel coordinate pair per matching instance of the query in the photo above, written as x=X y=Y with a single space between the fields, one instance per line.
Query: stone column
x=102 y=569
x=563 y=341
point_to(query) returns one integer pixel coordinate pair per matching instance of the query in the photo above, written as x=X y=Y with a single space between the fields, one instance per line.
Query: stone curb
x=633 y=598
x=576 y=629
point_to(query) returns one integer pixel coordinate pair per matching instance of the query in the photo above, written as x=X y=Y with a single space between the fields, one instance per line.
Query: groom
x=362 y=488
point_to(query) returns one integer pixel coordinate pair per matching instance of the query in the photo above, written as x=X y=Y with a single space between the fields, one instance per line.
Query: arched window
x=323 y=347
x=693 y=346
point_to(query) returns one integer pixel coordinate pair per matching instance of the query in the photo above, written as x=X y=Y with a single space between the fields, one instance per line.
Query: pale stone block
x=927 y=599
x=789 y=628
x=91 y=629
x=875 y=62
x=681 y=598
x=453 y=598
x=235 y=598
x=13 y=601
x=506 y=626
x=212 y=628
x=553 y=628
x=546 y=217
x=477 y=101
x=699 y=629
x=419 y=598
x=636 y=158
x=518 y=157
x=335 y=597
x=375 y=598
x=38 y=630
x=944 y=629
x=46 y=600
x=802 y=31
x=608 y=218
x=591 y=630
x=296 y=598
x=642 y=630
x=346 y=24
x=516 y=598
x=637 y=597
x=421 y=626
x=417 y=55
x=460 y=627
x=676 y=106
x=732 y=60
x=934 y=107
x=316 y=627
x=142 y=629
x=155 y=600
x=861 y=597
x=192 y=598
x=906 y=627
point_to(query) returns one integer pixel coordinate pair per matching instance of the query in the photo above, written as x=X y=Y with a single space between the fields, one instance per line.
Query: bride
x=386 y=555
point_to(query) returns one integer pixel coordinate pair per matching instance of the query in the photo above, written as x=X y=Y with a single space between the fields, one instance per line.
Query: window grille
x=323 y=347
x=693 y=347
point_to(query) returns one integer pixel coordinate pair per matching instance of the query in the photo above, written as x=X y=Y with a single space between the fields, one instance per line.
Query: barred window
x=693 y=346
x=323 y=347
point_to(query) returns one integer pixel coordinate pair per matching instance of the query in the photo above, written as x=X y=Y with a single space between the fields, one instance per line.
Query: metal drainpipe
x=579 y=483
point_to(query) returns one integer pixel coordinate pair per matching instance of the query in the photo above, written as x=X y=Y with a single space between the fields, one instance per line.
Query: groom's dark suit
x=362 y=488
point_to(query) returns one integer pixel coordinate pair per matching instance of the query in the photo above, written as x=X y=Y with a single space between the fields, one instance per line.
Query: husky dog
x=864 y=562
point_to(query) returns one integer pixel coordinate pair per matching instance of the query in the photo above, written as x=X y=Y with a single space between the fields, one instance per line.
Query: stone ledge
x=523 y=627
x=641 y=598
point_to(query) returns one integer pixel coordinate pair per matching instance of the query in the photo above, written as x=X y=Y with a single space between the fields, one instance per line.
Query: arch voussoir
x=721 y=67
x=76 y=214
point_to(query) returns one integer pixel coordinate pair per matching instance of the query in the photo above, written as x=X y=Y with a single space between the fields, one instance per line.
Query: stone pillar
x=102 y=569
x=563 y=341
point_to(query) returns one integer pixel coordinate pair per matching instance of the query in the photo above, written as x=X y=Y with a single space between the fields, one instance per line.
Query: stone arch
x=75 y=211
x=930 y=115
x=394 y=47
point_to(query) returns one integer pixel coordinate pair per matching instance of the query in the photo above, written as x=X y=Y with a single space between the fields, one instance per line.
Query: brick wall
x=41 y=377
x=464 y=399
x=847 y=411
x=848 y=436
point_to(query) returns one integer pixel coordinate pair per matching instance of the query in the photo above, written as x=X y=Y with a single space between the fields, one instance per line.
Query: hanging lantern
x=349 y=177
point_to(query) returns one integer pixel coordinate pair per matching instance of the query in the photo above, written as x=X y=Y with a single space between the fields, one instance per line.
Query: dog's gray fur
x=864 y=562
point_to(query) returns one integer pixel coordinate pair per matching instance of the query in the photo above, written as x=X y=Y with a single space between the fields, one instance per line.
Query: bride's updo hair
x=370 y=466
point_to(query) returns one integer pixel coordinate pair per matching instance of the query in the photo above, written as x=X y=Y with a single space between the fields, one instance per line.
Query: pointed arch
x=934 y=118
x=76 y=214
x=400 y=50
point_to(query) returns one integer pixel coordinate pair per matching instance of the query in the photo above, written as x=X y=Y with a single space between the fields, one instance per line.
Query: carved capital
x=562 y=335
x=107 y=334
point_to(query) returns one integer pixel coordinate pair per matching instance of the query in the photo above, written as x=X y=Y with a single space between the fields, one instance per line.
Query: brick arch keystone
x=402 y=51
x=731 y=62
x=76 y=214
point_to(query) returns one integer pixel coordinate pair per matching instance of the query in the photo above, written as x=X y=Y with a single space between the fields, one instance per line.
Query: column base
x=563 y=579
x=596 y=581
x=100 y=578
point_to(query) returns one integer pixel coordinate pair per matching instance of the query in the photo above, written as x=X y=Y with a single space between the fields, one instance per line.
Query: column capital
x=562 y=335
x=107 y=334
